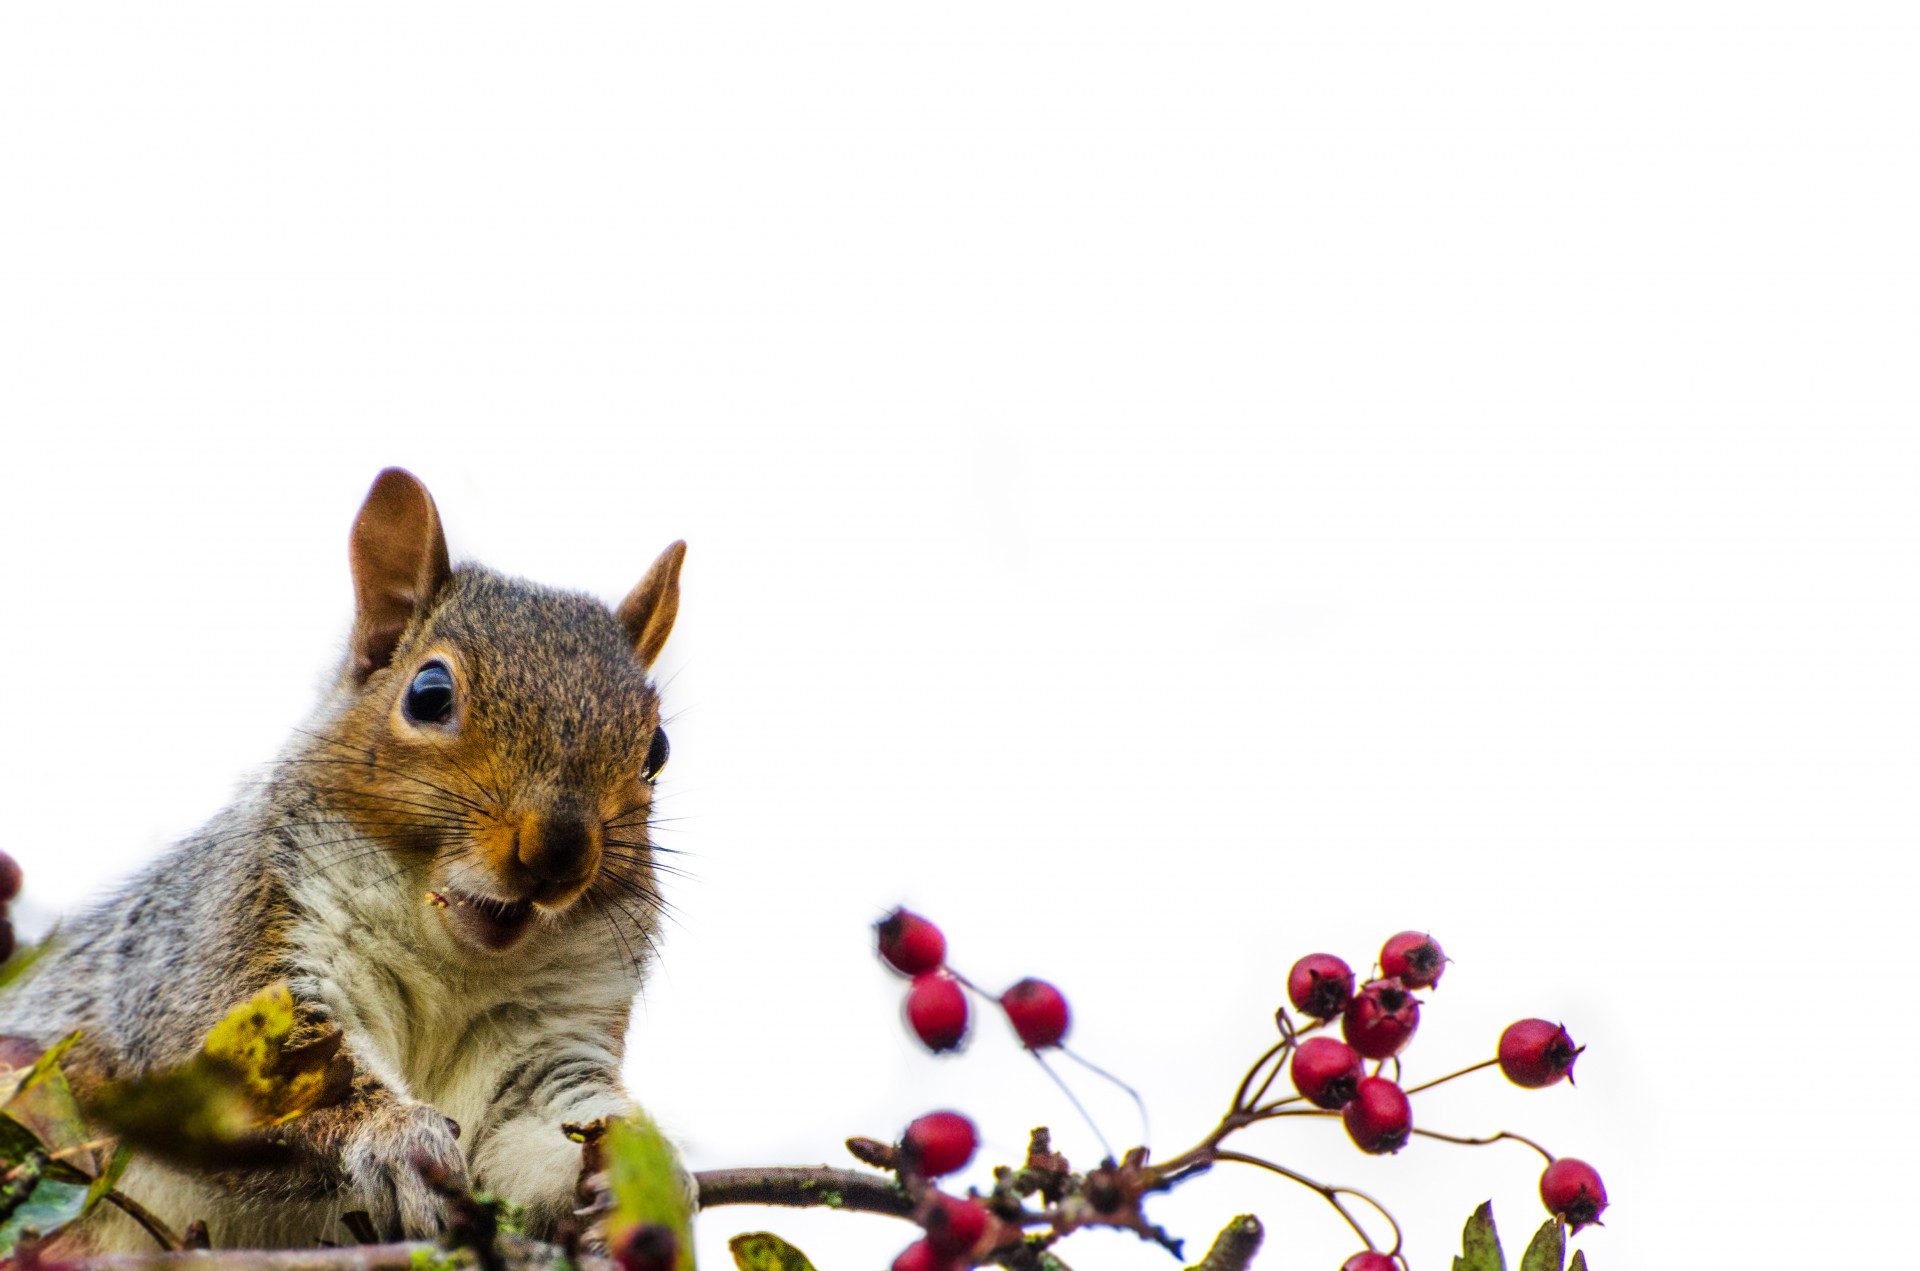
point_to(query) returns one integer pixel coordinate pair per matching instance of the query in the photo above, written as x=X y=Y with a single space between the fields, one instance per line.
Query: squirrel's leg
x=519 y=1150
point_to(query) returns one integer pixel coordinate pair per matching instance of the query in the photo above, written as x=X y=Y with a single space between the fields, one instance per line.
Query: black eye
x=430 y=696
x=657 y=752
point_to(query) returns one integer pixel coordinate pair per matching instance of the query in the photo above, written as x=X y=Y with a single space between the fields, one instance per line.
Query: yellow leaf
x=280 y=1081
x=211 y=1111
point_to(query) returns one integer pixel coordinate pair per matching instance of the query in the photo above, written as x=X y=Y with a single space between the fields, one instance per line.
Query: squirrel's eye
x=430 y=696
x=657 y=752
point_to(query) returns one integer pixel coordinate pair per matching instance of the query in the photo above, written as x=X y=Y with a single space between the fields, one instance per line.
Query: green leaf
x=1480 y=1244
x=17 y=1142
x=1548 y=1249
x=109 y=1177
x=38 y=1118
x=22 y=961
x=38 y=1112
x=43 y=1102
x=39 y=1204
x=649 y=1183
x=26 y=1063
x=1579 y=1261
x=764 y=1251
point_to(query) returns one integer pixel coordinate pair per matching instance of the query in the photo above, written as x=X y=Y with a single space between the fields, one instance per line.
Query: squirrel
x=450 y=865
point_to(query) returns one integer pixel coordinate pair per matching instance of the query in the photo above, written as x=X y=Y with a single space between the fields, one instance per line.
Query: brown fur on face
x=534 y=790
x=552 y=721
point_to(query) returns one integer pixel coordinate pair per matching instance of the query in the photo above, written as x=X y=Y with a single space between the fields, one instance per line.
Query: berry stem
x=1266 y=1110
x=1241 y=1101
x=1494 y=1138
x=1289 y=1037
x=1330 y=1194
x=1071 y=1098
x=1296 y=1112
x=1146 y=1132
x=965 y=983
x=1428 y=1085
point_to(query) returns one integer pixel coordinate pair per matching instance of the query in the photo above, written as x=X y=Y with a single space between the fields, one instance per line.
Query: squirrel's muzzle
x=559 y=847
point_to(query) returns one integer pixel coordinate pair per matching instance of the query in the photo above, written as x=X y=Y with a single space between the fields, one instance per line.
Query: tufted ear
x=648 y=611
x=399 y=559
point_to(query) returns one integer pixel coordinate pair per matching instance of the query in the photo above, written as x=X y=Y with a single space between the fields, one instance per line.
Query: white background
x=1170 y=487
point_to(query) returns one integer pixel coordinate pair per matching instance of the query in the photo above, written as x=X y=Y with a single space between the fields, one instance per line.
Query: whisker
x=368 y=762
x=432 y=810
x=671 y=871
x=640 y=846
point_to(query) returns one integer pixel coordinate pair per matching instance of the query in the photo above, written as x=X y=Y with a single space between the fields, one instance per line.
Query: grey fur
x=318 y=877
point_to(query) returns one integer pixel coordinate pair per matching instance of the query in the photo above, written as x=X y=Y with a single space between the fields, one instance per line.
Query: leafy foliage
x=52 y=1176
x=281 y=1081
x=1548 y=1249
x=1480 y=1243
x=248 y=1076
x=764 y=1251
x=650 y=1187
x=1480 y=1247
x=17 y=966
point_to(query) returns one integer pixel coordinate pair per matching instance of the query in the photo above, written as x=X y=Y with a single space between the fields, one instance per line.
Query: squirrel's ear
x=399 y=561
x=648 y=611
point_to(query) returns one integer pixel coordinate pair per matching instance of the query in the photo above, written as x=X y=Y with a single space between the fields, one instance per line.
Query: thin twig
x=388 y=1257
x=1428 y=1085
x=804 y=1188
x=1493 y=1138
x=1240 y=1099
x=1330 y=1194
x=1067 y=1090
x=146 y=1218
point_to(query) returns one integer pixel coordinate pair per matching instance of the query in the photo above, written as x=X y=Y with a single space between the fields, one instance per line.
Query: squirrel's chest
x=435 y=1032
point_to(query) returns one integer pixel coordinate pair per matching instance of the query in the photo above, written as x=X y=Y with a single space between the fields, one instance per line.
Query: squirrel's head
x=501 y=737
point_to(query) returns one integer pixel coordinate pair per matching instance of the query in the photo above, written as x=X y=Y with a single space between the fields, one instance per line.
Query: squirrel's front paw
x=397 y=1163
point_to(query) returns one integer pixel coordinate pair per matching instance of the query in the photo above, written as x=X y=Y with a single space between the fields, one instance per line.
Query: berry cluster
x=1355 y=1077
x=9 y=888
x=1378 y=1020
x=936 y=1005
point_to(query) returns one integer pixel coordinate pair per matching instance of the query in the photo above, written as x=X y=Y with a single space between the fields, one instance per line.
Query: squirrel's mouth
x=494 y=925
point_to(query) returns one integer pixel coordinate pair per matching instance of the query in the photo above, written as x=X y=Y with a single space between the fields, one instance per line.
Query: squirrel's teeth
x=437 y=900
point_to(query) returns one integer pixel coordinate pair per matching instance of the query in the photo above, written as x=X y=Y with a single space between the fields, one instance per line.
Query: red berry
x=1381 y=1019
x=1320 y=985
x=939 y=1143
x=1037 y=1012
x=1379 y=1118
x=1572 y=1192
x=1535 y=1053
x=1413 y=958
x=646 y=1247
x=954 y=1225
x=1369 y=1261
x=937 y=1011
x=1327 y=1072
x=922 y=1256
x=9 y=878
x=910 y=944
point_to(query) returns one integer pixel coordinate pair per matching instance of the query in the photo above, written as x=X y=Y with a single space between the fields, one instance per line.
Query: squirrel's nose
x=558 y=846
